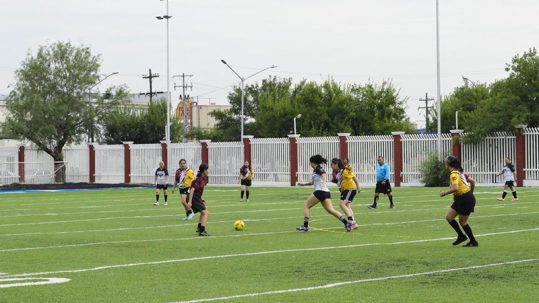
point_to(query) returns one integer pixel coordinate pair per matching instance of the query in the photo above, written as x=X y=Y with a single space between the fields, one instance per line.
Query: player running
x=509 y=178
x=183 y=178
x=348 y=186
x=382 y=183
x=195 y=199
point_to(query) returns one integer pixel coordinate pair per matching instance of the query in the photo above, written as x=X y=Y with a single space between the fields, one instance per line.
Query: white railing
x=363 y=152
x=416 y=149
x=145 y=160
x=532 y=154
x=327 y=147
x=271 y=160
x=109 y=163
x=191 y=152
x=9 y=167
x=225 y=160
x=77 y=163
x=38 y=167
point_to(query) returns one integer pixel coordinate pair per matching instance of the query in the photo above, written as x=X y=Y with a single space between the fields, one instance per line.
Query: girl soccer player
x=161 y=182
x=321 y=194
x=195 y=199
x=348 y=187
x=509 y=178
x=246 y=177
x=183 y=178
x=463 y=202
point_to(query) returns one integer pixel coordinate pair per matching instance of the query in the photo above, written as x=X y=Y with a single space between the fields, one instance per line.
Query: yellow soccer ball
x=239 y=225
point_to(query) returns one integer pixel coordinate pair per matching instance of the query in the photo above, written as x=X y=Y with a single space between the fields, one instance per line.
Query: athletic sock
x=350 y=218
x=504 y=194
x=375 y=201
x=247 y=195
x=390 y=199
x=306 y=222
x=468 y=231
x=201 y=227
x=156 y=198
x=166 y=198
x=242 y=194
x=343 y=219
x=456 y=227
x=515 y=194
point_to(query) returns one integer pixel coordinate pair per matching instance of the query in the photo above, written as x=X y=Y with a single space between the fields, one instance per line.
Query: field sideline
x=115 y=246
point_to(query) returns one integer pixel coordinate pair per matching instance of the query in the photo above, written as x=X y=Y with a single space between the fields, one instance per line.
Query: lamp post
x=438 y=93
x=296 y=117
x=456 y=119
x=167 y=129
x=90 y=100
x=242 y=86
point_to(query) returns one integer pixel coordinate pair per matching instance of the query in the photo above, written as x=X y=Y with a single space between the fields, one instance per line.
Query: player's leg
x=243 y=189
x=157 y=190
x=450 y=217
x=328 y=206
x=311 y=201
x=463 y=220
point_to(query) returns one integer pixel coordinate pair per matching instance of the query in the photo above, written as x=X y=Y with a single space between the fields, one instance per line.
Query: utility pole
x=184 y=86
x=150 y=76
x=426 y=107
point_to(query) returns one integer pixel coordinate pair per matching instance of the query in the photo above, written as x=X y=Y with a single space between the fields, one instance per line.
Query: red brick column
x=21 y=164
x=343 y=145
x=520 y=153
x=164 y=152
x=92 y=162
x=456 y=135
x=205 y=156
x=397 y=153
x=247 y=148
x=293 y=159
x=127 y=162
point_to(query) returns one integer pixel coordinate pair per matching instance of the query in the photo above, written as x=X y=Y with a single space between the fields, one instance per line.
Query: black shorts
x=383 y=188
x=348 y=195
x=184 y=191
x=161 y=186
x=197 y=205
x=322 y=195
x=465 y=204
x=510 y=183
x=246 y=182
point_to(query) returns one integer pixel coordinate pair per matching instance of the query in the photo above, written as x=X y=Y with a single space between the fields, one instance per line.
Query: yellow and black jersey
x=347 y=179
x=459 y=179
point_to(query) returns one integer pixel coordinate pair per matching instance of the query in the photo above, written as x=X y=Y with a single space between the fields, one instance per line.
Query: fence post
x=456 y=135
x=164 y=152
x=293 y=159
x=397 y=151
x=127 y=161
x=21 y=164
x=204 y=151
x=247 y=140
x=343 y=145
x=520 y=154
x=91 y=154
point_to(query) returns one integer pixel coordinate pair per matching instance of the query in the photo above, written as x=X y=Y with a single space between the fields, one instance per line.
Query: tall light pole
x=167 y=129
x=242 y=92
x=296 y=117
x=438 y=93
x=90 y=100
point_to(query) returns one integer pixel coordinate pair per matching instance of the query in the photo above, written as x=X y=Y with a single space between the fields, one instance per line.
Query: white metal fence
x=271 y=160
x=532 y=153
x=145 y=160
x=416 y=149
x=38 y=167
x=191 y=152
x=485 y=160
x=363 y=152
x=327 y=147
x=9 y=167
x=77 y=161
x=109 y=163
x=225 y=160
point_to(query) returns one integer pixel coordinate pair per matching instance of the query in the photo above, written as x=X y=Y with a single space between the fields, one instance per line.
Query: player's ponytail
x=317 y=159
x=509 y=164
x=454 y=163
x=201 y=169
x=337 y=162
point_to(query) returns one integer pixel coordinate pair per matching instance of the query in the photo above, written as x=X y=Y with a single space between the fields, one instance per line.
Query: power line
x=150 y=77
x=184 y=86
x=426 y=108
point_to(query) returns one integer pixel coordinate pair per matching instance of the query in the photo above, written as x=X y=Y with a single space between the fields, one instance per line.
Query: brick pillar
x=164 y=152
x=293 y=159
x=205 y=156
x=127 y=161
x=456 y=135
x=343 y=145
x=397 y=153
x=520 y=154
x=21 y=164
x=92 y=162
x=247 y=140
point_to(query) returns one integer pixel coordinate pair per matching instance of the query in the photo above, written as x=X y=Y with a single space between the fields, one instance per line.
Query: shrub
x=434 y=172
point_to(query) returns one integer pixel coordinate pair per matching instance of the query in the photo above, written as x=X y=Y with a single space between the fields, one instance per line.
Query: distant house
x=198 y=115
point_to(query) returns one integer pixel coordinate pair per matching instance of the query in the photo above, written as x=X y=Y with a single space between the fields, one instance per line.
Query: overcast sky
x=353 y=41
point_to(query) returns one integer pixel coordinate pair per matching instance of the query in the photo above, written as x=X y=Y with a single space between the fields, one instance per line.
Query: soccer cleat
x=203 y=233
x=302 y=228
x=460 y=239
x=392 y=205
x=156 y=204
x=241 y=200
x=471 y=244
x=514 y=199
x=348 y=226
x=499 y=199
x=247 y=200
x=166 y=204
x=190 y=216
x=372 y=206
x=354 y=225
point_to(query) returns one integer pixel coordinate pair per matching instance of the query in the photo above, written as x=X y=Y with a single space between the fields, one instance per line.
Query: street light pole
x=296 y=117
x=90 y=100
x=242 y=79
x=438 y=93
x=167 y=129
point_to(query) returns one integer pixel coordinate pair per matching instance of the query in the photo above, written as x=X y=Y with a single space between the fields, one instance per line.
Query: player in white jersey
x=509 y=178
x=161 y=182
x=321 y=194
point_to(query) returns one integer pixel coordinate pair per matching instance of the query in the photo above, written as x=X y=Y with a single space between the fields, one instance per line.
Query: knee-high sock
x=247 y=195
x=456 y=227
x=469 y=233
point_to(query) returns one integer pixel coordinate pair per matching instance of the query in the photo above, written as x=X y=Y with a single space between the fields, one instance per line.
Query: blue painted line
x=28 y=191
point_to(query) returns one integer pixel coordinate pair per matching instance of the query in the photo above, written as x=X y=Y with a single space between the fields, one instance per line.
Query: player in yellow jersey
x=183 y=178
x=463 y=201
x=348 y=186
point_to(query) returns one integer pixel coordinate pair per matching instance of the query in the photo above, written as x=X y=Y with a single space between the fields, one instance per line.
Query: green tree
x=47 y=105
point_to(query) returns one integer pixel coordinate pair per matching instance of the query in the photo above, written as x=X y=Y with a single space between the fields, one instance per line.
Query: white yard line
x=259 y=253
x=337 y=284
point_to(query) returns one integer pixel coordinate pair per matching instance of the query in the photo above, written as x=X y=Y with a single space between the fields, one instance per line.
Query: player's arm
x=357 y=183
x=501 y=173
x=472 y=183
x=190 y=200
x=324 y=180
x=454 y=186
x=155 y=178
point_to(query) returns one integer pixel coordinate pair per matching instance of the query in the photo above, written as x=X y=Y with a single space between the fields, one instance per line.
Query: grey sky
x=351 y=41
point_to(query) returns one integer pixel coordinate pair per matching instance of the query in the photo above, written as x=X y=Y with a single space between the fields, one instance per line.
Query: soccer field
x=115 y=246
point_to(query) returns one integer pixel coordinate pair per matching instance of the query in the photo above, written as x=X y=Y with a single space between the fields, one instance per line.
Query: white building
x=198 y=115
